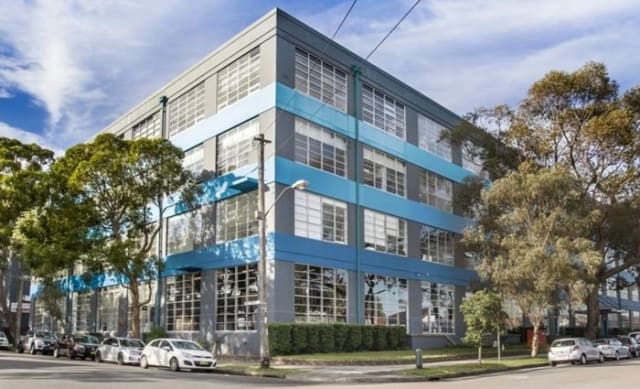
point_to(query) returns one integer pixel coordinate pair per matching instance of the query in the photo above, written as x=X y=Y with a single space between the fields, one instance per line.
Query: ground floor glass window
x=320 y=294
x=385 y=300
x=183 y=302
x=437 y=308
x=237 y=298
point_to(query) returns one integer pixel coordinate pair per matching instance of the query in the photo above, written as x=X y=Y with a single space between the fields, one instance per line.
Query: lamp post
x=263 y=331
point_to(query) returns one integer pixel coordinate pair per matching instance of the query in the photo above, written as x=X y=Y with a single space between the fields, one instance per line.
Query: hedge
x=295 y=338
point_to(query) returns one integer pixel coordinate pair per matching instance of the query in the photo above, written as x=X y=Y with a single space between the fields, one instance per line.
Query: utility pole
x=263 y=330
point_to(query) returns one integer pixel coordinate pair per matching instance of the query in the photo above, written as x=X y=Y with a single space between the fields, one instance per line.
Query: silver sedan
x=612 y=348
x=120 y=350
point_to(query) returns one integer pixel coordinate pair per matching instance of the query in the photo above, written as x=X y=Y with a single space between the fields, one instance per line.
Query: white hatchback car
x=4 y=341
x=573 y=350
x=612 y=348
x=120 y=350
x=177 y=354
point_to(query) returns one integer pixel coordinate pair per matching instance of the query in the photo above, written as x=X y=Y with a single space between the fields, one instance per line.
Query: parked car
x=612 y=348
x=4 y=341
x=632 y=345
x=176 y=354
x=76 y=346
x=635 y=335
x=39 y=341
x=573 y=350
x=120 y=350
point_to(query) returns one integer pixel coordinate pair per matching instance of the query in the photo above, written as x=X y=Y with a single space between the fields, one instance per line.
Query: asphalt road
x=31 y=372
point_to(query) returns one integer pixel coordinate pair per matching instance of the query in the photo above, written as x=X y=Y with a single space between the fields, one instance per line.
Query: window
x=236 y=147
x=147 y=312
x=437 y=308
x=237 y=217
x=429 y=138
x=237 y=298
x=45 y=316
x=383 y=111
x=472 y=161
x=190 y=231
x=194 y=160
x=148 y=128
x=320 y=294
x=383 y=171
x=239 y=79
x=186 y=110
x=320 y=148
x=183 y=302
x=108 y=303
x=320 y=218
x=321 y=80
x=385 y=300
x=82 y=312
x=384 y=233
x=437 y=245
x=435 y=190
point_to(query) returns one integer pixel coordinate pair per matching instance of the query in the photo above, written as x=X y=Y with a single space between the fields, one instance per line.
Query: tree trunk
x=480 y=354
x=535 y=340
x=135 y=310
x=593 y=313
x=19 y=309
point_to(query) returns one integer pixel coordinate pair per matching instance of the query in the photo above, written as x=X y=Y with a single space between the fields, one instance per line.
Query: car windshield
x=563 y=343
x=184 y=345
x=601 y=341
x=44 y=335
x=131 y=343
x=86 y=339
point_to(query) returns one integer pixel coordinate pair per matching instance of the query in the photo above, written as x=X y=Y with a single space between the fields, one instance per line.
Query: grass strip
x=457 y=370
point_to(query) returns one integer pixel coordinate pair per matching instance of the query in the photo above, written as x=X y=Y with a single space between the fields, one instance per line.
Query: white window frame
x=320 y=148
x=239 y=79
x=237 y=298
x=383 y=111
x=147 y=128
x=186 y=110
x=319 y=296
x=183 y=300
x=385 y=233
x=320 y=218
x=435 y=190
x=236 y=217
x=438 y=308
x=386 y=300
x=437 y=245
x=429 y=133
x=236 y=148
x=384 y=172
x=321 y=80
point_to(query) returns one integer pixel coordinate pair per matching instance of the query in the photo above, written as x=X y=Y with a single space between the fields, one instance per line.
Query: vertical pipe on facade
x=160 y=259
x=356 y=114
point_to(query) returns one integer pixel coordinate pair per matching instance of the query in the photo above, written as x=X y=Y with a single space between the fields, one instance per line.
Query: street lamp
x=263 y=331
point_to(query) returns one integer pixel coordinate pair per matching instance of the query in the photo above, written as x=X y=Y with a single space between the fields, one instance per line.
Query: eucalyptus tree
x=530 y=242
x=111 y=193
x=580 y=122
x=22 y=170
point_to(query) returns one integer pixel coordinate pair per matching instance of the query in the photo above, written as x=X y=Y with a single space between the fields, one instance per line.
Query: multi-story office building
x=370 y=241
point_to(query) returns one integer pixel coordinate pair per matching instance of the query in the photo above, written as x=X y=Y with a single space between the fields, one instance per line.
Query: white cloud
x=87 y=62
x=4 y=93
x=7 y=131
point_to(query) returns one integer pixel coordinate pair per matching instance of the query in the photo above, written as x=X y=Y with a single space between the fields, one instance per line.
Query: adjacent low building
x=370 y=241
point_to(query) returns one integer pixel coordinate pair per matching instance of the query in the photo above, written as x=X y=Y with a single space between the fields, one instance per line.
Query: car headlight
x=39 y=343
x=187 y=355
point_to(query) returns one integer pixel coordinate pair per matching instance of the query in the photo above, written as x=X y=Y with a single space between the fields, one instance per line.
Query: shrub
x=155 y=333
x=326 y=336
x=280 y=338
x=393 y=338
x=299 y=339
x=367 y=338
x=379 y=338
x=313 y=338
x=340 y=337
x=354 y=340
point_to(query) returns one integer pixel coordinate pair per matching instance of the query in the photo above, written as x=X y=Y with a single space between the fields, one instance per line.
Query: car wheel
x=173 y=364
x=601 y=358
x=143 y=362
x=583 y=359
x=72 y=355
x=617 y=356
x=56 y=353
x=98 y=357
x=120 y=359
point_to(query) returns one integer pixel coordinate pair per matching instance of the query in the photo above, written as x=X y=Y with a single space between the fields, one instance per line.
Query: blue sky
x=69 y=68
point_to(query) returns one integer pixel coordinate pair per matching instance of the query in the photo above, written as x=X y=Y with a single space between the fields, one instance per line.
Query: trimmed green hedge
x=294 y=338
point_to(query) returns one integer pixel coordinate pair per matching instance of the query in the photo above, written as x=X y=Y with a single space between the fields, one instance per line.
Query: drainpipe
x=356 y=112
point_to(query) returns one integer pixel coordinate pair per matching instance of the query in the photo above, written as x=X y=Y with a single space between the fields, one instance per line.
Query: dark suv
x=76 y=346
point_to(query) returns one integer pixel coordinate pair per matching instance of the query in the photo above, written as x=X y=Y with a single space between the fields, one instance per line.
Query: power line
x=344 y=18
x=392 y=30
